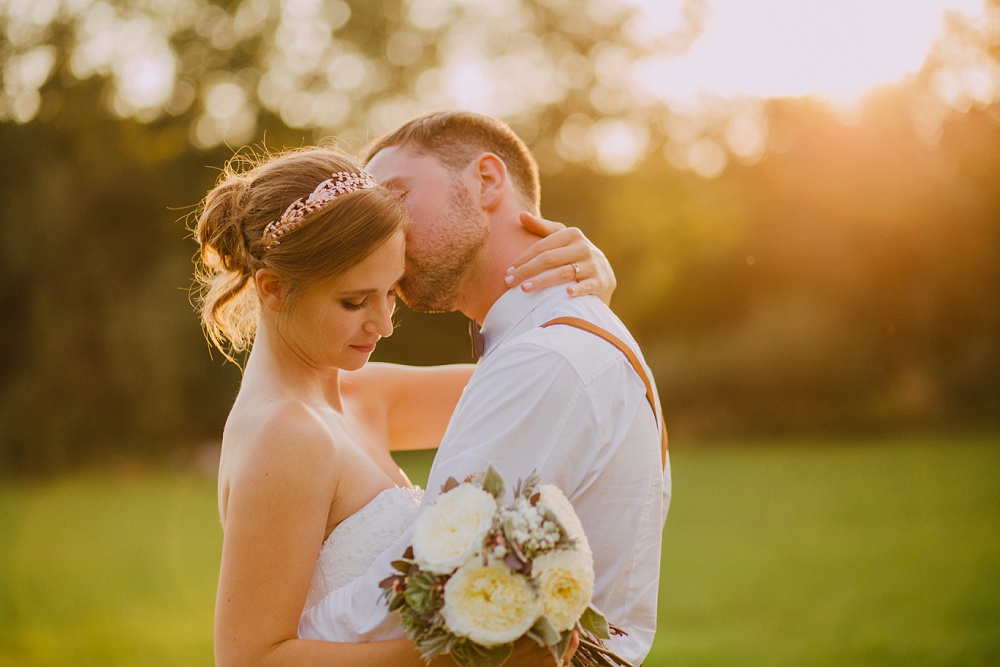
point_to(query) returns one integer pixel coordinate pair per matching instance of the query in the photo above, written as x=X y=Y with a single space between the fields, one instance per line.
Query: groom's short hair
x=457 y=137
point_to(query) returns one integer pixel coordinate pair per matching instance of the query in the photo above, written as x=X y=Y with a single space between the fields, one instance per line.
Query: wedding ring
x=576 y=271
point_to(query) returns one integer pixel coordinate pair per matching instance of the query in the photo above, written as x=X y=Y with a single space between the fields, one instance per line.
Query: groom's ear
x=492 y=174
x=269 y=288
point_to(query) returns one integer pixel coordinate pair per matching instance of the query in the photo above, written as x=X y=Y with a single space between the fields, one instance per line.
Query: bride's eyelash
x=394 y=292
x=354 y=306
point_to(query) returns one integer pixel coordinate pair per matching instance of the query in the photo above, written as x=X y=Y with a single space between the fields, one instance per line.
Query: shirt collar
x=511 y=313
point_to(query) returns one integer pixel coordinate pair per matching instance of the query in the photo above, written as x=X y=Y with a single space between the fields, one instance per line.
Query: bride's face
x=337 y=322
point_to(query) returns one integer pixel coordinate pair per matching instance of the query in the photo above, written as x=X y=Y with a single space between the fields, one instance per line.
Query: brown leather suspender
x=632 y=358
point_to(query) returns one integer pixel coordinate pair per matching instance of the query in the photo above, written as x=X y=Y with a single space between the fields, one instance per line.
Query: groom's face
x=447 y=230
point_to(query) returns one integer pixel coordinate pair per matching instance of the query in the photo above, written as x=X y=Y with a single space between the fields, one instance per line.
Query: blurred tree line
x=844 y=275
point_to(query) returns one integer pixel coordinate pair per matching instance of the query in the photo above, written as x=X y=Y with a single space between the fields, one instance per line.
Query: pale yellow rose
x=565 y=581
x=451 y=531
x=489 y=604
x=552 y=499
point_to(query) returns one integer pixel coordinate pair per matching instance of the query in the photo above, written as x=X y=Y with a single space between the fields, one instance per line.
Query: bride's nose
x=381 y=319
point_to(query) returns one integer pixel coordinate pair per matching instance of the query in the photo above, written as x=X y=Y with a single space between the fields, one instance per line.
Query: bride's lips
x=366 y=349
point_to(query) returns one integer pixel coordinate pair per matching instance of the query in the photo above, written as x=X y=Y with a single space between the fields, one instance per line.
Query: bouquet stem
x=593 y=654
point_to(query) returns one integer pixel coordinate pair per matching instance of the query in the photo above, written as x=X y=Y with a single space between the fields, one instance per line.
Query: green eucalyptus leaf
x=493 y=483
x=525 y=487
x=543 y=628
x=470 y=654
x=559 y=650
x=433 y=644
x=533 y=636
x=594 y=621
x=402 y=566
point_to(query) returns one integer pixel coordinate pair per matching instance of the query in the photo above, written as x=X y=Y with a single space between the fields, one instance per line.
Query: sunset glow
x=777 y=48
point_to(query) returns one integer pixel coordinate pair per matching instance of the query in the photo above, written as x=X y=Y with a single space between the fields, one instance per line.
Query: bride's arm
x=276 y=501
x=416 y=401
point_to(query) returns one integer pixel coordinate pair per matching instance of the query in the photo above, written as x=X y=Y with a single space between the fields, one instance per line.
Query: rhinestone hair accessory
x=340 y=183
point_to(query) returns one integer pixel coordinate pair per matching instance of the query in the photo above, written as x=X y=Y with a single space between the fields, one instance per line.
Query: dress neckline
x=412 y=491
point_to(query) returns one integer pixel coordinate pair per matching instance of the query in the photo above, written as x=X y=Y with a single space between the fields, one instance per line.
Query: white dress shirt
x=568 y=404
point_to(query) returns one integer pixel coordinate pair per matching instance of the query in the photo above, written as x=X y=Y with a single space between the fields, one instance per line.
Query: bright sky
x=833 y=48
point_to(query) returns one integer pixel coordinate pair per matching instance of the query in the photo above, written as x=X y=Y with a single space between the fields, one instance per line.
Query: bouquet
x=482 y=574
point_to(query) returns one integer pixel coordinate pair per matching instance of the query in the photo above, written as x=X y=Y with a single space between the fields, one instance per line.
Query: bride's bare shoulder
x=280 y=448
x=284 y=423
x=280 y=437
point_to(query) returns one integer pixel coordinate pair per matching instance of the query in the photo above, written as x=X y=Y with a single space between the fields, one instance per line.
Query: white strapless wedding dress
x=361 y=537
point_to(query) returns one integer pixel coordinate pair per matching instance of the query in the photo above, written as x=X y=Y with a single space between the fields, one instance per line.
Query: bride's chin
x=355 y=365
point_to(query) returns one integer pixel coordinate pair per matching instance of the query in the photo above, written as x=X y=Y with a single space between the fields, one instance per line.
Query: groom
x=545 y=396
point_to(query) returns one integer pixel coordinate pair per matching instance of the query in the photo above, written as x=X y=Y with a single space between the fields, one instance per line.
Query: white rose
x=565 y=581
x=552 y=499
x=451 y=531
x=489 y=604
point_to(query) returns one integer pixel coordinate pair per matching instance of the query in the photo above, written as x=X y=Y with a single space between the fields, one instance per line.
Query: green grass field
x=828 y=553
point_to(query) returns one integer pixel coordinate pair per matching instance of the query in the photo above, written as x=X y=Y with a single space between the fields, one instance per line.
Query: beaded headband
x=340 y=183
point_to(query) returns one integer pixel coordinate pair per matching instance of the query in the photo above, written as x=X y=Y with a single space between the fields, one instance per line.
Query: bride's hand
x=527 y=653
x=563 y=255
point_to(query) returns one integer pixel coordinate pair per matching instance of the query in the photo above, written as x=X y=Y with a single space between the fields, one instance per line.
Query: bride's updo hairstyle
x=322 y=241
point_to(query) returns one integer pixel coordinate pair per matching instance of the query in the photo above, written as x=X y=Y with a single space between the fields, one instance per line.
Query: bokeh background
x=801 y=201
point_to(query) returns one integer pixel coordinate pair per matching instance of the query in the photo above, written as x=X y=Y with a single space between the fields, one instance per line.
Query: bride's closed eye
x=358 y=305
x=351 y=305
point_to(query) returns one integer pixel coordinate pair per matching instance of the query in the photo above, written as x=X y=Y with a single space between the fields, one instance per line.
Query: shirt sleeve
x=526 y=409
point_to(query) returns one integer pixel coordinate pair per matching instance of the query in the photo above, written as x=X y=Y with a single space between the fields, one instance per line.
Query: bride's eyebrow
x=367 y=291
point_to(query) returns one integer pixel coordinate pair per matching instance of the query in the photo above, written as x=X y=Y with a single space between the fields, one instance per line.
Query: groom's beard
x=447 y=247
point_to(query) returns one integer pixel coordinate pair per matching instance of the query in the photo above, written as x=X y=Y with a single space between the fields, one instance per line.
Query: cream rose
x=565 y=581
x=451 y=531
x=489 y=604
x=552 y=499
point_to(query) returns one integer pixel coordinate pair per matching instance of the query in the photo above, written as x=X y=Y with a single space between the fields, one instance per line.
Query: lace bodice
x=360 y=538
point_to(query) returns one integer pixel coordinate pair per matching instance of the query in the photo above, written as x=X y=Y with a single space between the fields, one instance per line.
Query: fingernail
x=510 y=269
x=509 y=279
x=527 y=286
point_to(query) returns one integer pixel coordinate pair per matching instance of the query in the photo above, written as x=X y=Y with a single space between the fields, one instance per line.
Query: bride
x=308 y=492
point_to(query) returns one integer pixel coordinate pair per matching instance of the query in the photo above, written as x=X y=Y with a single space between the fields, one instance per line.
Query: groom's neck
x=484 y=281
